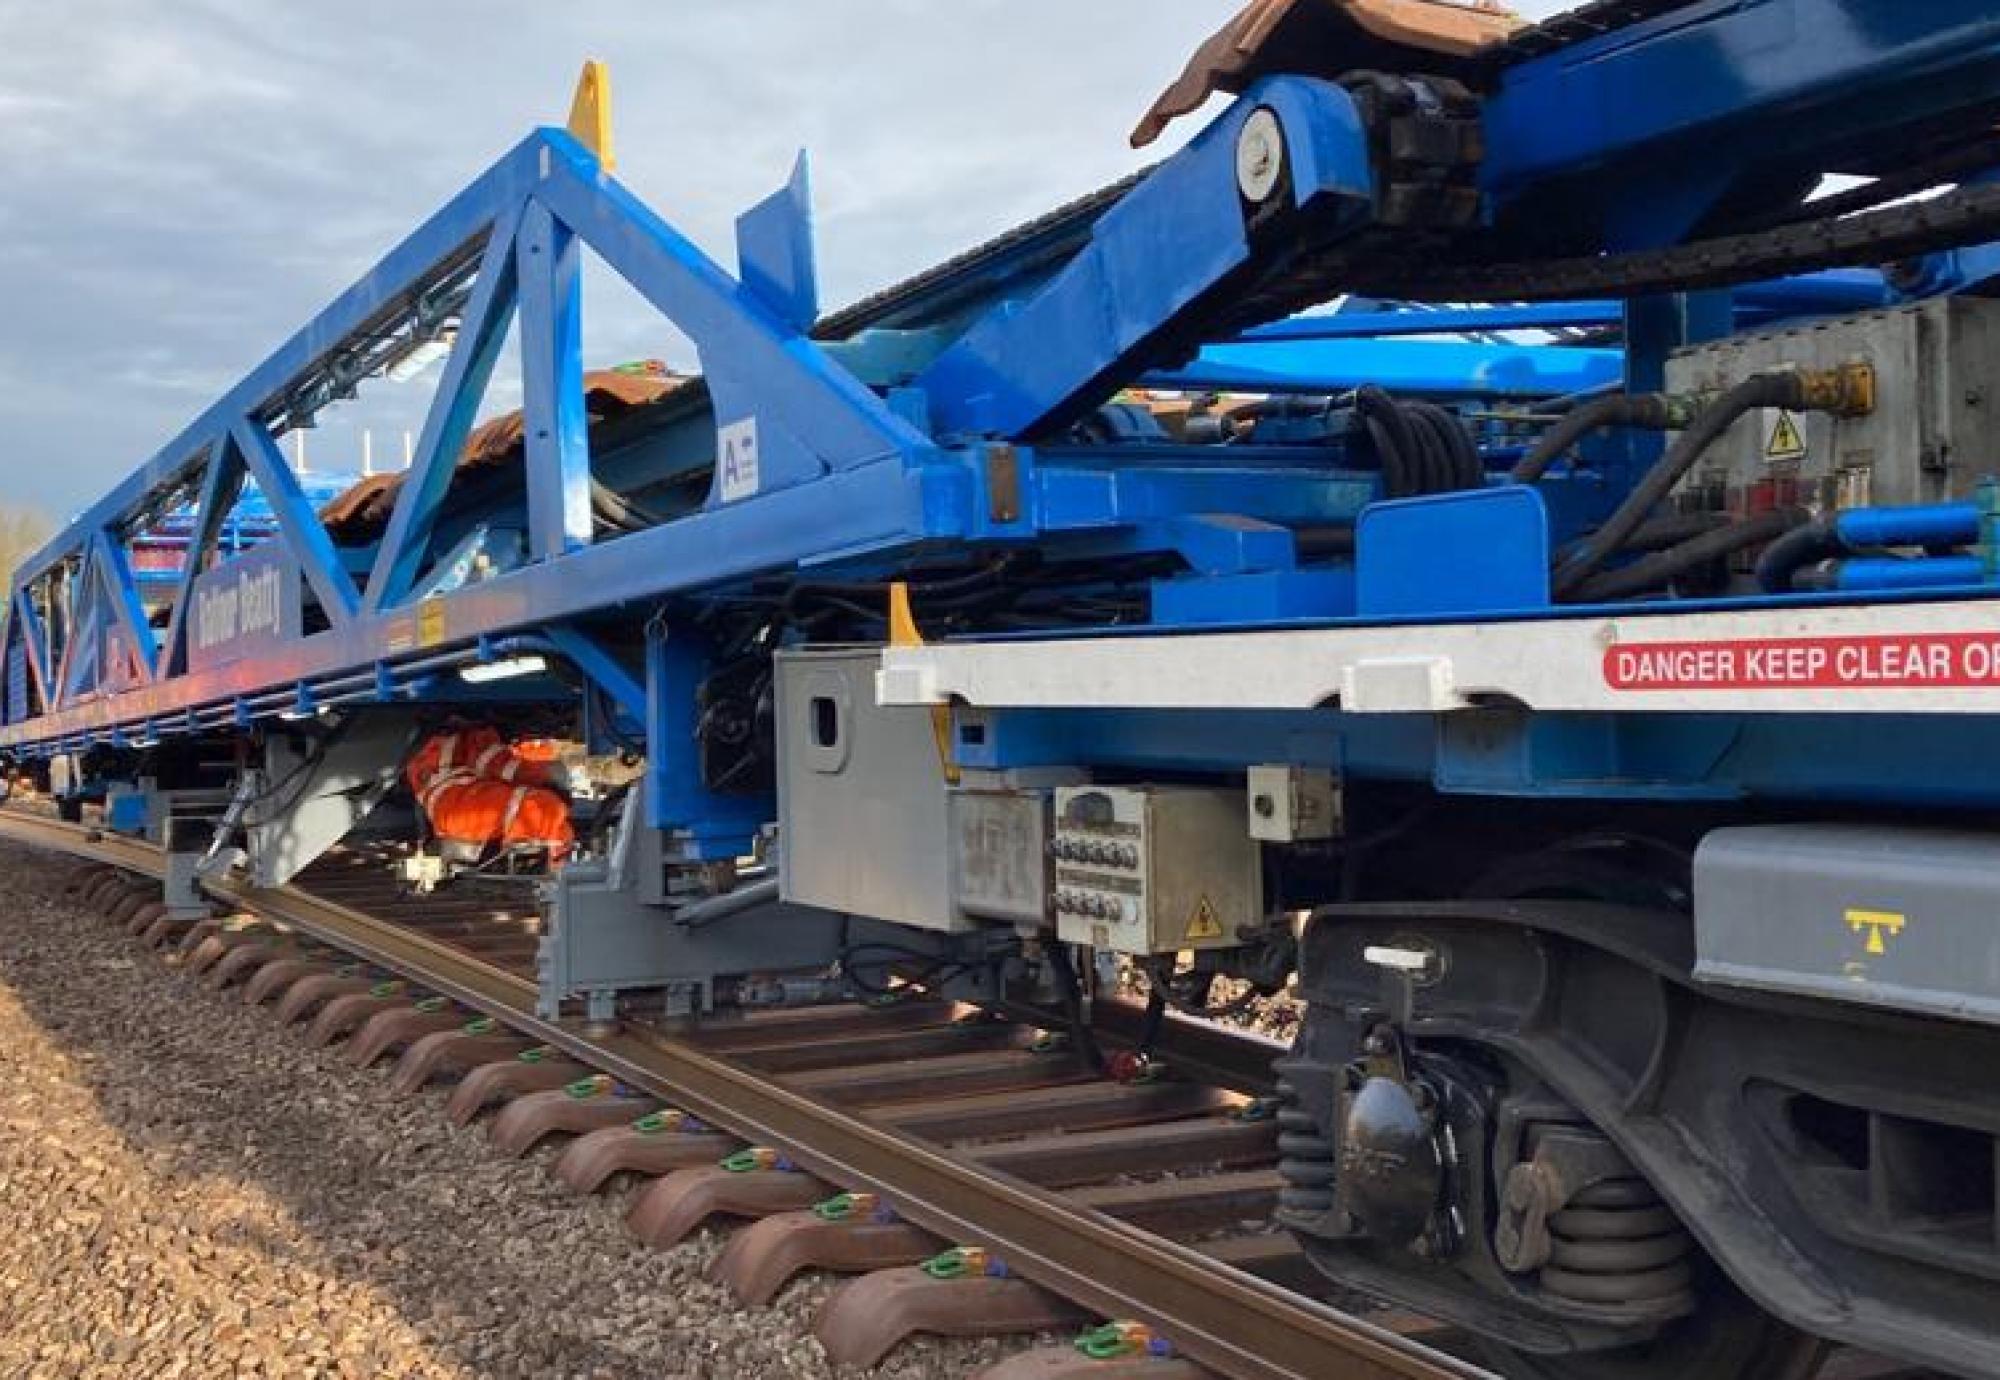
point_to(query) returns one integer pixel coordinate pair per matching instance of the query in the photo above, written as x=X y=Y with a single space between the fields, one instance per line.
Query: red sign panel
x=1913 y=661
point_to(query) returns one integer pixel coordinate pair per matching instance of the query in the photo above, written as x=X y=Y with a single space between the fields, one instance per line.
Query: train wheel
x=1729 y=1339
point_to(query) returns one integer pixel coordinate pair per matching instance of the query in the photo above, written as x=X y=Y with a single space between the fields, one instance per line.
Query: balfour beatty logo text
x=1916 y=661
x=252 y=602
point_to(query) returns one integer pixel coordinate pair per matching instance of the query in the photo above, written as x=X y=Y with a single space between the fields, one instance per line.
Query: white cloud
x=185 y=185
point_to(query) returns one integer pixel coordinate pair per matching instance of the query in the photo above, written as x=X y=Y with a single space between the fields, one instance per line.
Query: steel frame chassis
x=854 y=473
x=842 y=471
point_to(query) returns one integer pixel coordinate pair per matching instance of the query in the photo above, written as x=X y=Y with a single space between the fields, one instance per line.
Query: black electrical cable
x=1070 y=991
x=1783 y=389
x=1162 y=982
x=1657 y=570
x=618 y=512
x=1648 y=410
x=1154 y=1022
x=929 y=968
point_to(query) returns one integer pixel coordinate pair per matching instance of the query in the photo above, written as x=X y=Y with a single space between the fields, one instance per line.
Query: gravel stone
x=188 y=1190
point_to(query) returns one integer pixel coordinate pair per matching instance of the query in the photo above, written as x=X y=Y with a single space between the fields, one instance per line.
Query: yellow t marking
x=1881 y=925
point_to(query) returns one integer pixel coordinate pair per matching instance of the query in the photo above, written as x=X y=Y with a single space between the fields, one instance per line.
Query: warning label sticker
x=1917 y=661
x=1784 y=435
x=1204 y=923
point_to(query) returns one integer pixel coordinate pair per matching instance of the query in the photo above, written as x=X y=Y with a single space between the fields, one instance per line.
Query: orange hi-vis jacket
x=478 y=791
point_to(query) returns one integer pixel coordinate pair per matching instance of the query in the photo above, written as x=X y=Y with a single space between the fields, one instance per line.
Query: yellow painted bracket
x=590 y=113
x=903 y=632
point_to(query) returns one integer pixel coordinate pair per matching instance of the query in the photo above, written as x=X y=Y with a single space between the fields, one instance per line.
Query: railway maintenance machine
x=1498 y=532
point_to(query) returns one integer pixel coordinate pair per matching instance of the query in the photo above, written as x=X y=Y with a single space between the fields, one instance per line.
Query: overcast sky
x=183 y=185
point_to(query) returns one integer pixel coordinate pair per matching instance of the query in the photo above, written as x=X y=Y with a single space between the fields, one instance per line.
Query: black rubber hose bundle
x=1785 y=390
x=1649 y=410
x=1657 y=571
x=1423 y=448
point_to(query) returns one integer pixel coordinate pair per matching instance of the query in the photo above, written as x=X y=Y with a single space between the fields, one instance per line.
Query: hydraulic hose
x=1936 y=527
x=1786 y=389
x=1657 y=534
x=1799 y=548
x=1461 y=465
x=1653 y=411
x=1396 y=442
x=1673 y=529
x=1424 y=449
x=1657 y=570
x=1876 y=574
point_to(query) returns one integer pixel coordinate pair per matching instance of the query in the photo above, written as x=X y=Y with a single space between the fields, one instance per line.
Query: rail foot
x=1069 y=1363
x=586 y=1104
x=669 y=1211
x=453 y=1052
x=765 y=1256
x=866 y=1319
x=648 y=1146
x=532 y=1070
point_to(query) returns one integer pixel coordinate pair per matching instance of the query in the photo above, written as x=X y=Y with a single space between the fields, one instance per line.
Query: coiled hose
x=1424 y=449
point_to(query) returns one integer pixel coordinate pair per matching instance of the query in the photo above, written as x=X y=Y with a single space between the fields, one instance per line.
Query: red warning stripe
x=1914 y=661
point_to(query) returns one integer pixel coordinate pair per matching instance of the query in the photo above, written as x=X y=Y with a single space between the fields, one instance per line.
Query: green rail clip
x=754 y=1159
x=659 y=1123
x=846 y=1207
x=964 y=1262
x=1114 y=1340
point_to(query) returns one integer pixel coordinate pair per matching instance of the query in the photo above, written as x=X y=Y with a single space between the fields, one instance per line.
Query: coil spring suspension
x=1617 y=1243
x=1305 y=1163
x=1592 y=1230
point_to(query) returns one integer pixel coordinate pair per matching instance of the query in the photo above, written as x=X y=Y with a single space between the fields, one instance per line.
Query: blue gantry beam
x=949 y=430
x=815 y=465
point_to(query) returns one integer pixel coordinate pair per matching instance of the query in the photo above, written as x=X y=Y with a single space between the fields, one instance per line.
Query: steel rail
x=1231 y=1321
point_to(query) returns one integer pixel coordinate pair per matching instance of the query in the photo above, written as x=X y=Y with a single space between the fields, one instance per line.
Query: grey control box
x=1933 y=434
x=1154 y=869
x=871 y=823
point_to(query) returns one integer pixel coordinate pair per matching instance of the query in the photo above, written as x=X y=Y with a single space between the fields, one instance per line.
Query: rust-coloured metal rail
x=1006 y=1196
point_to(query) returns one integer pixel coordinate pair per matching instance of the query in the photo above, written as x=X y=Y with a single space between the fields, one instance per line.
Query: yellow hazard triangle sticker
x=1204 y=923
x=1788 y=439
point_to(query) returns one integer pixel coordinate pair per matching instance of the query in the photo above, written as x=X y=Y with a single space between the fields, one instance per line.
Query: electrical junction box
x=1000 y=855
x=1933 y=434
x=870 y=825
x=1154 y=869
x=1294 y=804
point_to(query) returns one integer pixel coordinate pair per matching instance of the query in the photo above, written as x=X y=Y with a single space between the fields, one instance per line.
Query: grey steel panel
x=862 y=799
x=1901 y=918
